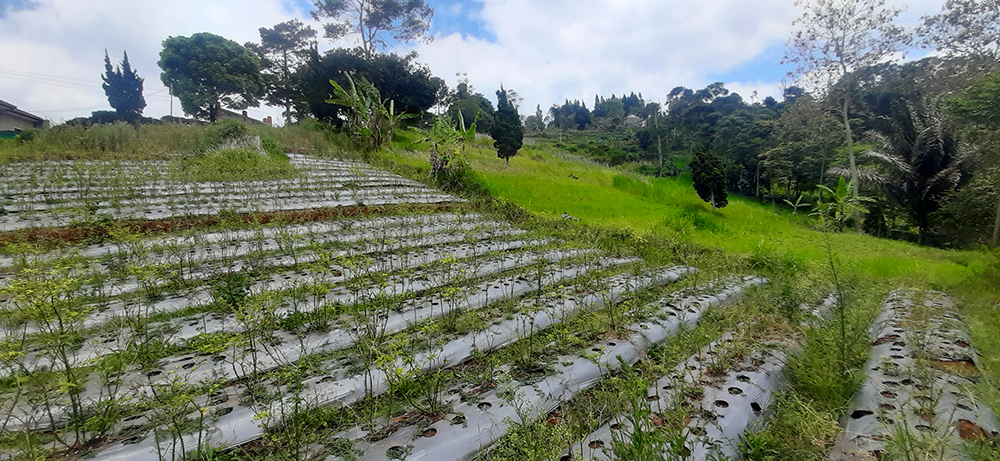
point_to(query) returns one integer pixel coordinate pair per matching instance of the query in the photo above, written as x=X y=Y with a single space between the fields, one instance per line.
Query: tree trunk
x=659 y=151
x=854 y=165
x=996 y=226
x=822 y=170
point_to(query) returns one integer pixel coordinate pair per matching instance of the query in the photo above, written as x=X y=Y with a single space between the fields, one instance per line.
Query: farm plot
x=480 y=416
x=152 y=345
x=919 y=394
x=59 y=193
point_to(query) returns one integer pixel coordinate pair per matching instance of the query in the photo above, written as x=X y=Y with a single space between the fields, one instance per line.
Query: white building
x=14 y=120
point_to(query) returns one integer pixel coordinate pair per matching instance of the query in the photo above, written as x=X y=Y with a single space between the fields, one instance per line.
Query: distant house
x=14 y=120
x=633 y=121
x=225 y=114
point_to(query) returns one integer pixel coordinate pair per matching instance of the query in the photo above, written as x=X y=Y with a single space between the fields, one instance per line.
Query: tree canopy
x=506 y=130
x=123 y=86
x=284 y=49
x=835 y=37
x=412 y=86
x=375 y=21
x=207 y=72
x=709 y=178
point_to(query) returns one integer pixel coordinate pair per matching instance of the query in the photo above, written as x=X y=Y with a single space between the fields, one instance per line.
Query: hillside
x=230 y=304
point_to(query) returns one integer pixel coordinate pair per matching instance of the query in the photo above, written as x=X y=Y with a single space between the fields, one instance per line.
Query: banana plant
x=447 y=142
x=369 y=120
x=843 y=206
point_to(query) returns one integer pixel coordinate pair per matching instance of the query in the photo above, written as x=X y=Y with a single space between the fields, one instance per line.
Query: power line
x=67 y=110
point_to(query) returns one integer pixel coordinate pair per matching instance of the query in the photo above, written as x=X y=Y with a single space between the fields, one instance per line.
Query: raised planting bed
x=343 y=384
x=46 y=194
x=473 y=425
x=724 y=399
x=287 y=347
x=919 y=394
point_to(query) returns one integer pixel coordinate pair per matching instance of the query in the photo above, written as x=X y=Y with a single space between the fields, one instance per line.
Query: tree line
x=915 y=140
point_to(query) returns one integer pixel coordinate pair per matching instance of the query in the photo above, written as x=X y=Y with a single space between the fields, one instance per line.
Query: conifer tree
x=709 y=178
x=123 y=87
x=506 y=130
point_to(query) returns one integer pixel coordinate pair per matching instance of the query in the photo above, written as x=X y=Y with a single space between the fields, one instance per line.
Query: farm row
x=423 y=335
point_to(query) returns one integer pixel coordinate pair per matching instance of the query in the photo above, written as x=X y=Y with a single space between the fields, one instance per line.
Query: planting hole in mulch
x=885 y=339
x=722 y=404
x=755 y=407
x=595 y=444
x=485 y=406
x=735 y=391
x=888 y=395
x=429 y=432
x=965 y=367
x=858 y=414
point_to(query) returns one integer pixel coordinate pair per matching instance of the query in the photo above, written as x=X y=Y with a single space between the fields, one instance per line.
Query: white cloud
x=552 y=50
x=546 y=50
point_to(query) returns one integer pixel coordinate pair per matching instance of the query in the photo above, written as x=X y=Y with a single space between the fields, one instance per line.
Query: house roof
x=239 y=115
x=8 y=107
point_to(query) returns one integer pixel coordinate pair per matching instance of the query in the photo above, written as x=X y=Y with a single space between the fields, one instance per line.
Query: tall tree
x=506 y=130
x=375 y=21
x=981 y=105
x=398 y=78
x=208 y=72
x=969 y=28
x=535 y=122
x=283 y=49
x=709 y=178
x=123 y=86
x=918 y=159
x=836 y=37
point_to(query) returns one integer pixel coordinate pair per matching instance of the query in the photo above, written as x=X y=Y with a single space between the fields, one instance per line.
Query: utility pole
x=171 y=99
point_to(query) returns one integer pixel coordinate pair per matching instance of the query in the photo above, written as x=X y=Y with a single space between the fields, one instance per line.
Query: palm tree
x=918 y=159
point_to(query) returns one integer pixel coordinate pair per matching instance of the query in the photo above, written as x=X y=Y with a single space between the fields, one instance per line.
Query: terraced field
x=350 y=313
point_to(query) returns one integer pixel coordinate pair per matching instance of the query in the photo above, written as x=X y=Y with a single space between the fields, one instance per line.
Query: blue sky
x=546 y=50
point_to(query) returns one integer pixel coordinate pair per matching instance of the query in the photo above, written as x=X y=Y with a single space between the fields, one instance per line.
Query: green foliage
x=447 y=143
x=123 y=87
x=283 y=51
x=369 y=120
x=473 y=108
x=709 y=178
x=194 y=67
x=841 y=206
x=231 y=289
x=981 y=103
x=232 y=164
x=412 y=86
x=375 y=22
x=506 y=130
x=226 y=130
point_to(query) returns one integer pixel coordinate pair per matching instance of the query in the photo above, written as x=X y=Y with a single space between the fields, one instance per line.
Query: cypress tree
x=506 y=130
x=709 y=178
x=123 y=86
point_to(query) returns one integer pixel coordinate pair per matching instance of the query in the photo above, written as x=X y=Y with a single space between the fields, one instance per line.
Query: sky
x=546 y=50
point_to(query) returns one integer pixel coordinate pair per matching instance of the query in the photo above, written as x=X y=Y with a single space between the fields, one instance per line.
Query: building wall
x=10 y=122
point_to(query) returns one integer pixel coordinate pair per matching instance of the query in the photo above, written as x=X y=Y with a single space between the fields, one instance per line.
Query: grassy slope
x=540 y=180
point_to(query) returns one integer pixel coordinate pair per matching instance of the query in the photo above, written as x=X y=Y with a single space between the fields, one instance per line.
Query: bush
x=226 y=130
x=28 y=135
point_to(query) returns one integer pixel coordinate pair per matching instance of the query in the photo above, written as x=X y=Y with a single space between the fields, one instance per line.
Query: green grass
x=549 y=182
x=233 y=165
x=662 y=215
